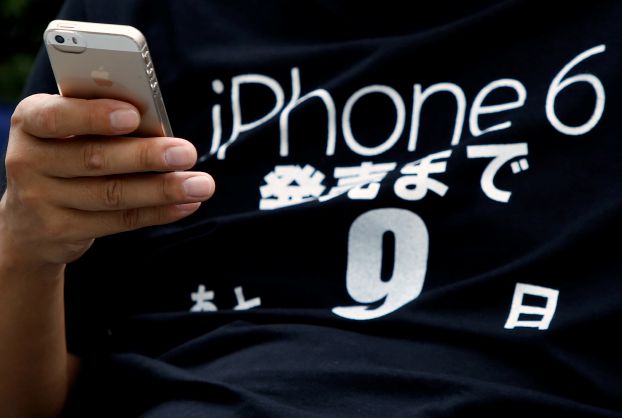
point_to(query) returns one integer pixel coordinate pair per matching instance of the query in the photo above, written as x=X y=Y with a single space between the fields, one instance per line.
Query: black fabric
x=437 y=253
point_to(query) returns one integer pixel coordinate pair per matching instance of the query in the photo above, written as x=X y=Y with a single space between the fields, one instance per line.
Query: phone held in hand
x=95 y=60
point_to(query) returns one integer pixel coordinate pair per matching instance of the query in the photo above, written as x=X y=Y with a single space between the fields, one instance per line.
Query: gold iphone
x=95 y=60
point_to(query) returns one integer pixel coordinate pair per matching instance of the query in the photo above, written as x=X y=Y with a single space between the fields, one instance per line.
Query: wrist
x=21 y=270
x=16 y=262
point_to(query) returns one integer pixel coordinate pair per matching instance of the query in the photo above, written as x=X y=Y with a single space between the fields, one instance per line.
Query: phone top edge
x=98 y=28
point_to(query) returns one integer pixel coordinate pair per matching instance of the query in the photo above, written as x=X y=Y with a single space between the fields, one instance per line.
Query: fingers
x=87 y=149
x=72 y=175
x=117 y=193
x=82 y=157
x=53 y=116
x=112 y=222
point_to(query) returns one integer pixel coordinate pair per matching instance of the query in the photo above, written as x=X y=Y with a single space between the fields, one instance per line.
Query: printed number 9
x=365 y=254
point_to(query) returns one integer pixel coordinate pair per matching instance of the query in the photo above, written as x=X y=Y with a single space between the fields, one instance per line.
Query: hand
x=72 y=177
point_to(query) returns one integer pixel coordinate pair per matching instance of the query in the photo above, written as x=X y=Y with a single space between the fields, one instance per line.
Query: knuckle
x=131 y=218
x=16 y=164
x=93 y=156
x=26 y=112
x=92 y=118
x=48 y=117
x=29 y=199
x=112 y=193
x=169 y=189
x=20 y=113
x=144 y=156
x=17 y=118
x=32 y=199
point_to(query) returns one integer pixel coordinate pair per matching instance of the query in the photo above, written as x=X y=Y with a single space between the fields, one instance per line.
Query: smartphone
x=95 y=60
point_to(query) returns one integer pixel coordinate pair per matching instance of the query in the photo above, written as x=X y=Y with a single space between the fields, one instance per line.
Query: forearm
x=34 y=365
x=61 y=195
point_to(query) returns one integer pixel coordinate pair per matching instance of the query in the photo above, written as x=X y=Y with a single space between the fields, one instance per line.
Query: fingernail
x=188 y=207
x=198 y=187
x=124 y=119
x=179 y=156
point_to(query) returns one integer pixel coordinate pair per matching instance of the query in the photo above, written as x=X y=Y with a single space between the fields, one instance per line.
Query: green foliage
x=22 y=23
x=13 y=8
x=13 y=73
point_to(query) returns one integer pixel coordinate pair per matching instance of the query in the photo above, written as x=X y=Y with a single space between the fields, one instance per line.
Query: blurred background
x=22 y=23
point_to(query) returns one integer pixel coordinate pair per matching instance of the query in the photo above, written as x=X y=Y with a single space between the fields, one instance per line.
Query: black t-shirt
x=417 y=214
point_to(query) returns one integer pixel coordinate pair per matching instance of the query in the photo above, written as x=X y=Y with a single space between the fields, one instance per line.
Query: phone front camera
x=59 y=39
